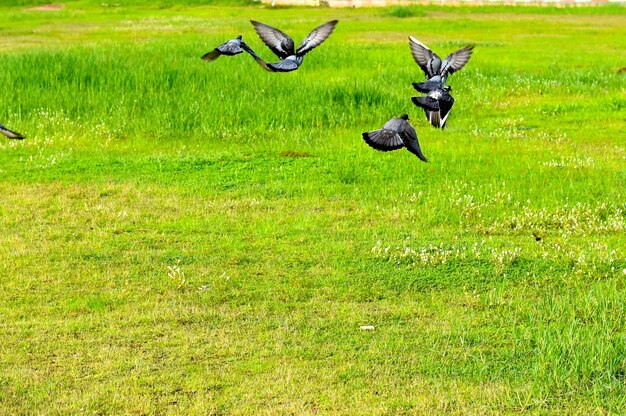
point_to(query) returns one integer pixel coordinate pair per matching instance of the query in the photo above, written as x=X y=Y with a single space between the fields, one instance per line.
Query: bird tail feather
x=211 y=56
x=434 y=118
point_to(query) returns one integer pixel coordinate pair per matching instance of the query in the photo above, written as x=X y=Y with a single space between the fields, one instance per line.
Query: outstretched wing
x=409 y=135
x=256 y=57
x=456 y=60
x=428 y=60
x=10 y=133
x=383 y=140
x=280 y=43
x=316 y=37
x=427 y=103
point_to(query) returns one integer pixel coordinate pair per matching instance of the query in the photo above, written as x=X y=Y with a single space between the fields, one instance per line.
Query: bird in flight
x=228 y=48
x=284 y=48
x=395 y=134
x=436 y=104
x=432 y=65
x=10 y=133
x=437 y=72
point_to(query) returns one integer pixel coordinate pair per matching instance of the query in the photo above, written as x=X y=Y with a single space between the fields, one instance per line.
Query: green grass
x=184 y=237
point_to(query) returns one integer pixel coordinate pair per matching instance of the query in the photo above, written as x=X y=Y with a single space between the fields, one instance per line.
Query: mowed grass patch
x=206 y=238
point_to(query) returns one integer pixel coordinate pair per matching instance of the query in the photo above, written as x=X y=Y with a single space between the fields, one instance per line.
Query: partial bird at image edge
x=10 y=133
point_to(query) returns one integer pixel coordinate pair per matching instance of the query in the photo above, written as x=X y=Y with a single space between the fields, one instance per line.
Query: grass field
x=184 y=237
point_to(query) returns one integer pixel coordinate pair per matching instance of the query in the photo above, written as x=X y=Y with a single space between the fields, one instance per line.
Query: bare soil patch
x=48 y=7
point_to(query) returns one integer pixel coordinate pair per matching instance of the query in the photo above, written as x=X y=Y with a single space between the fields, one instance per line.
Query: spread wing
x=280 y=43
x=456 y=60
x=427 y=103
x=428 y=60
x=409 y=135
x=383 y=139
x=256 y=57
x=316 y=37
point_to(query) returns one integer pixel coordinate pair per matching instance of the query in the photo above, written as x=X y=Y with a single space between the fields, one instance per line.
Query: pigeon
x=435 y=69
x=283 y=47
x=438 y=101
x=10 y=134
x=436 y=104
x=228 y=48
x=395 y=134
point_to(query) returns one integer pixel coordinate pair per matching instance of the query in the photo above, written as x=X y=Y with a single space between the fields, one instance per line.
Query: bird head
x=239 y=37
x=447 y=88
x=404 y=116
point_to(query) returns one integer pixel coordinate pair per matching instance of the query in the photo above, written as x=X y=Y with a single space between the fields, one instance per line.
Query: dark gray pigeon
x=436 y=104
x=395 y=134
x=438 y=101
x=10 y=133
x=229 y=48
x=432 y=65
x=284 y=48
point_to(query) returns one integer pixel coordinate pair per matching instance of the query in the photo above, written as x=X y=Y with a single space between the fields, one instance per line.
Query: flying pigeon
x=432 y=65
x=437 y=104
x=438 y=101
x=229 y=48
x=283 y=47
x=395 y=134
x=10 y=134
